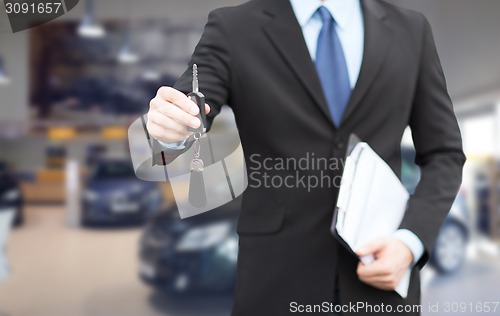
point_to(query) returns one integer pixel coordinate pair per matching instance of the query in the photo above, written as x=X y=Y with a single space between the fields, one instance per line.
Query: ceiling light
x=126 y=54
x=89 y=27
x=151 y=75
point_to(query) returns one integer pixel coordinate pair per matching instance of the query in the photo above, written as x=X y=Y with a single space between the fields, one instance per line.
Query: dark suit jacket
x=254 y=58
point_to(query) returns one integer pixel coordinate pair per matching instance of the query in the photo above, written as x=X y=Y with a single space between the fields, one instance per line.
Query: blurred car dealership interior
x=89 y=238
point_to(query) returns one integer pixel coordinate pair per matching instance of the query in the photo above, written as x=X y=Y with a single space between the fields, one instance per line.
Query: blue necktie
x=332 y=67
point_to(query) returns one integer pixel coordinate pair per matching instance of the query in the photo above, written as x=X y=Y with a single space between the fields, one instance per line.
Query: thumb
x=370 y=248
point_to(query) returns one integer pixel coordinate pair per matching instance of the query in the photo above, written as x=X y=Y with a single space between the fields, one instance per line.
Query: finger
x=378 y=278
x=207 y=108
x=167 y=123
x=371 y=248
x=179 y=99
x=377 y=268
x=159 y=131
x=382 y=282
x=373 y=272
x=175 y=113
x=167 y=136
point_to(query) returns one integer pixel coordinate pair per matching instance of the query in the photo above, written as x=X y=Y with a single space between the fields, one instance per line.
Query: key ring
x=197 y=144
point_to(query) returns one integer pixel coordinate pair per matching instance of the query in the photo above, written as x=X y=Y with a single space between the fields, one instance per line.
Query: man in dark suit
x=301 y=77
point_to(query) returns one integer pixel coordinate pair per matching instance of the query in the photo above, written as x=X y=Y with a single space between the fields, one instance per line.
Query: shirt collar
x=341 y=10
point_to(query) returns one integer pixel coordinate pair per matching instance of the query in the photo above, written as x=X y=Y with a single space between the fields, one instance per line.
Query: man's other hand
x=392 y=259
x=170 y=113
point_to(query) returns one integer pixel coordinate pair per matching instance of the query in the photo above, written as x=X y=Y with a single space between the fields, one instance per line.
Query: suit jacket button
x=340 y=145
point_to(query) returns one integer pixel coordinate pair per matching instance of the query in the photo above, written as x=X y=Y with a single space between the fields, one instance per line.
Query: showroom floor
x=58 y=270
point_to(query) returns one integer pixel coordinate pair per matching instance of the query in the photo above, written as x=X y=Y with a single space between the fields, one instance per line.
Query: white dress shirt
x=349 y=26
x=348 y=15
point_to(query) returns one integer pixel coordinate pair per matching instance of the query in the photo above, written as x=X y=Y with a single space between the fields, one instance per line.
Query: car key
x=197 y=97
x=197 y=193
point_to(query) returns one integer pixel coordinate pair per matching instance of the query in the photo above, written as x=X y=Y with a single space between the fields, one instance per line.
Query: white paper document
x=371 y=204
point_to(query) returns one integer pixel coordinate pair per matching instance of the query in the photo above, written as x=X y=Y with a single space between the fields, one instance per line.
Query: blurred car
x=200 y=253
x=10 y=193
x=193 y=255
x=113 y=195
x=448 y=255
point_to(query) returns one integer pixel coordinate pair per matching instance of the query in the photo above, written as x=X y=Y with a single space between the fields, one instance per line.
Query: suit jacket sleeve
x=438 y=145
x=212 y=58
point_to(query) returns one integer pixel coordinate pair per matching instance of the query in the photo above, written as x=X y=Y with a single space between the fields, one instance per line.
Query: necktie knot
x=325 y=15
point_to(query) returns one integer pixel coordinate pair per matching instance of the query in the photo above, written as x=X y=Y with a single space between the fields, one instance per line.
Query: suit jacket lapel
x=286 y=34
x=378 y=38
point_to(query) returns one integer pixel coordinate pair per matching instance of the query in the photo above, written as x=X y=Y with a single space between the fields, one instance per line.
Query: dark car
x=113 y=195
x=10 y=193
x=449 y=251
x=197 y=254
x=200 y=253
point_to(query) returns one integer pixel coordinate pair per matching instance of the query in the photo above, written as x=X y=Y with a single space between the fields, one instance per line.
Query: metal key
x=197 y=97
x=196 y=87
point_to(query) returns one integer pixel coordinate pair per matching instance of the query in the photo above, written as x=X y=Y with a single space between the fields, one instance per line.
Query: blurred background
x=91 y=239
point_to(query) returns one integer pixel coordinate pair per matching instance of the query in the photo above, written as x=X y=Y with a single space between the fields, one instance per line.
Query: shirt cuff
x=412 y=242
x=174 y=146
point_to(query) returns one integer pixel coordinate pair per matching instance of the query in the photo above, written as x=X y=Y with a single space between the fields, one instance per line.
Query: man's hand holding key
x=170 y=114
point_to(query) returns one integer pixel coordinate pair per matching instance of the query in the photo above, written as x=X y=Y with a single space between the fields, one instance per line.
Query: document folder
x=371 y=203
